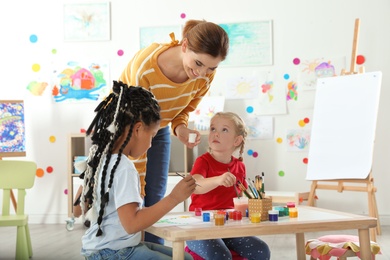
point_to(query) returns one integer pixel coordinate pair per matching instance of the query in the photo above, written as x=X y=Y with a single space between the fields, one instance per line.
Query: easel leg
x=373 y=212
x=13 y=200
x=312 y=195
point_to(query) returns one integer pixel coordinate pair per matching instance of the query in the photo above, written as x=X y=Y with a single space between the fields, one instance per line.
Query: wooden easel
x=361 y=185
x=13 y=200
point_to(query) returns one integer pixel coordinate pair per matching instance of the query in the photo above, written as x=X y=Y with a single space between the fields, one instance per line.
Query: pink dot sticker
x=296 y=61
x=182 y=15
x=120 y=52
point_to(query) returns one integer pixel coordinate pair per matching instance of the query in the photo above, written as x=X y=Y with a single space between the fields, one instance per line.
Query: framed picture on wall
x=87 y=21
x=12 y=128
x=250 y=44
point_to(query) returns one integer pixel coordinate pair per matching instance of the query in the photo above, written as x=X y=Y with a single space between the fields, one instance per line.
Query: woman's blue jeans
x=157 y=168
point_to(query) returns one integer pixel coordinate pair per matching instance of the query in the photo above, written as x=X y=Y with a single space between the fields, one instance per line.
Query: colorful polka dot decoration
x=120 y=52
x=305 y=160
x=286 y=76
x=279 y=140
x=183 y=15
x=249 y=109
x=360 y=59
x=36 y=67
x=49 y=169
x=281 y=173
x=253 y=153
x=296 y=61
x=52 y=139
x=40 y=172
x=303 y=122
x=66 y=191
x=33 y=38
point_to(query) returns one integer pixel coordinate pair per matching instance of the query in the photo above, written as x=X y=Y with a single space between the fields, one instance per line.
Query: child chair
x=197 y=257
x=18 y=175
x=340 y=246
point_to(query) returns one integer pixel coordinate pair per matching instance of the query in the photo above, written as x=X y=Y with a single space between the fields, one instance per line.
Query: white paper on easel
x=343 y=129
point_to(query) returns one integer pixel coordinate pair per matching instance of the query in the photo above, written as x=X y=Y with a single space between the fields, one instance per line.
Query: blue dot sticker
x=249 y=109
x=286 y=76
x=33 y=38
x=250 y=152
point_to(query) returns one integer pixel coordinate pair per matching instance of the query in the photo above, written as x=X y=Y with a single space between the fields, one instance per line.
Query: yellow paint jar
x=255 y=217
x=219 y=219
x=293 y=212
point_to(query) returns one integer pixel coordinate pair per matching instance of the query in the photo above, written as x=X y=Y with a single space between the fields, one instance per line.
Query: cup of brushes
x=257 y=202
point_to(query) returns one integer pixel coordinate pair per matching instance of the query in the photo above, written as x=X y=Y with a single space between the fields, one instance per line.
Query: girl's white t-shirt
x=126 y=188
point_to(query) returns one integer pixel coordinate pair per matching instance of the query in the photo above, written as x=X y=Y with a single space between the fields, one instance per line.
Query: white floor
x=54 y=241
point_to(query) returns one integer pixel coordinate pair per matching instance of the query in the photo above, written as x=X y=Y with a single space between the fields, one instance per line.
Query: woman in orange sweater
x=179 y=75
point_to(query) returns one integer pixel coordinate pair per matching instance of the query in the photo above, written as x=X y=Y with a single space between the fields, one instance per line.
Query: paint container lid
x=290 y=204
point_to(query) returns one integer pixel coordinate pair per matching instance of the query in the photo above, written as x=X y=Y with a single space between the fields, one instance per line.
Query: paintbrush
x=181 y=175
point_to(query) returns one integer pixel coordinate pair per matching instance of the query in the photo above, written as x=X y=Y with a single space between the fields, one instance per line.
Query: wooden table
x=310 y=219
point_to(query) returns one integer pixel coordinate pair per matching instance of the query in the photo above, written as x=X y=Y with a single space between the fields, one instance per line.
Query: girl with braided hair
x=124 y=125
x=217 y=171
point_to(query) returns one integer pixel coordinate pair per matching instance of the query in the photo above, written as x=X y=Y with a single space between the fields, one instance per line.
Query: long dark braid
x=124 y=106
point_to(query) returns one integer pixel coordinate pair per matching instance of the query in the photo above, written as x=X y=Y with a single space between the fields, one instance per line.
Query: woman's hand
x=182 y=133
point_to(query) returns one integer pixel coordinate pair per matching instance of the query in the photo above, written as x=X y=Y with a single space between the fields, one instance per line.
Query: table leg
x=178 y=250
x=364 y=241
x=300 y=241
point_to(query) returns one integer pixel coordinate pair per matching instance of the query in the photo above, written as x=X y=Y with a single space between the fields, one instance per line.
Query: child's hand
x=227 y=179
x=183 y=189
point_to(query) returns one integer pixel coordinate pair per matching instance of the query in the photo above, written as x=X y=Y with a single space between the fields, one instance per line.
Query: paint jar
x=280 y=210
x=255 y=217
x=293 y=212
x=198 y=211
x=237 y=215
x=241 y=204
x=219 y=219
x=206 y=217
x=286 y=210
x=290 y=204
x=273 y=215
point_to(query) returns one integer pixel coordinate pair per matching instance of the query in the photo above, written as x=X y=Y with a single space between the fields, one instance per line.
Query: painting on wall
x=250 y=44
x=159 y=34
x=312 y=69
x=12 y=128
x=87 y=21
x=206 y=109
x=78 y=81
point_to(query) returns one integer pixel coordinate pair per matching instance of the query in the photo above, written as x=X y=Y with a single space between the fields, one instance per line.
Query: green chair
x=18 y=175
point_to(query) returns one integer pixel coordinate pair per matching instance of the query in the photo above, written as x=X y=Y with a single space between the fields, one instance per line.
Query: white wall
x=304 y=28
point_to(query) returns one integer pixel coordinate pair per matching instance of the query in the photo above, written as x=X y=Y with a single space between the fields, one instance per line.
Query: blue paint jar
x=273 y=215
x=206 y=217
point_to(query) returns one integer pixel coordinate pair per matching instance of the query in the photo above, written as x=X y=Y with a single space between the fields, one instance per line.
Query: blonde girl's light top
x=176 y=100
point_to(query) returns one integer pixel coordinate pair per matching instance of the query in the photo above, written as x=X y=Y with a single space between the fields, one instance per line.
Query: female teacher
x=179 y=75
